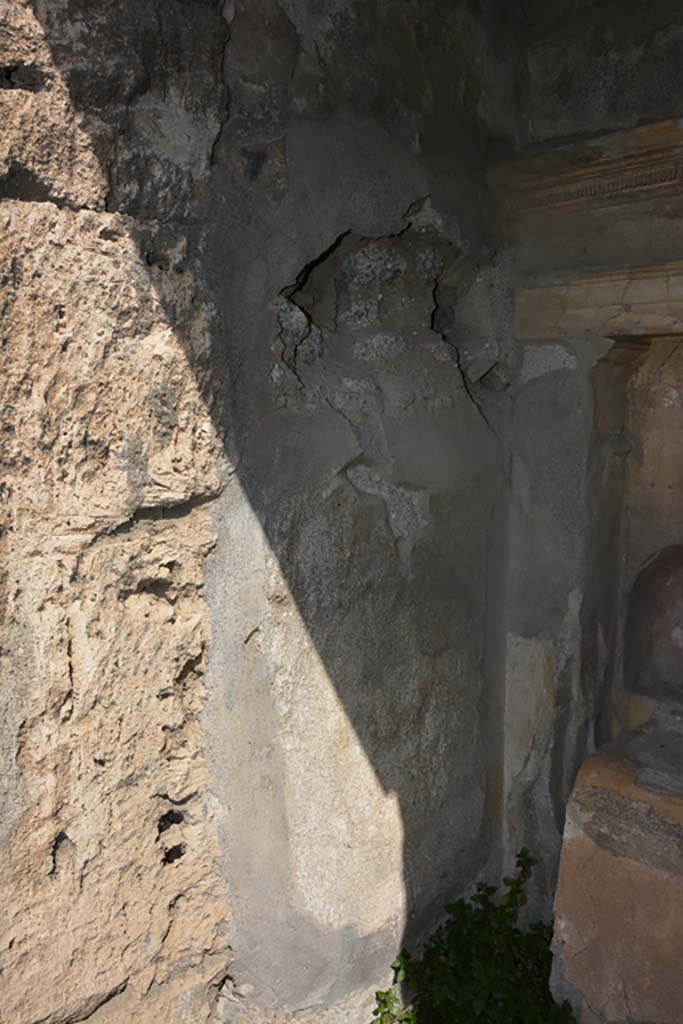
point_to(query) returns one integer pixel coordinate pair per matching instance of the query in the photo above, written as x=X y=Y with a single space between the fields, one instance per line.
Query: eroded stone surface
x=113 y=904
x=109 y=453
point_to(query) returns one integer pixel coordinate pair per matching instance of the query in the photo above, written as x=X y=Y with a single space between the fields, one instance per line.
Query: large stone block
x=619 y=902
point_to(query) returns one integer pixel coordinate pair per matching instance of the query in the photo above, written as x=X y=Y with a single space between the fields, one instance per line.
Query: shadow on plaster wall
x=369 y=465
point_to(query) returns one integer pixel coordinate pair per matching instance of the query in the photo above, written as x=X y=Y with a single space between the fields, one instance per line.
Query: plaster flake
x=174 y=132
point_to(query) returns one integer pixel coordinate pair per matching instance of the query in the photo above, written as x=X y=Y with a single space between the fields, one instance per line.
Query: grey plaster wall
x=354 y=719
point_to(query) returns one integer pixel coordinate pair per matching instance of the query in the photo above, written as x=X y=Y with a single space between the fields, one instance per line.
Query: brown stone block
x=619 y=903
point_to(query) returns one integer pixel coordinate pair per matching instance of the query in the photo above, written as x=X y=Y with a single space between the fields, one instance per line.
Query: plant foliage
x=479 y=967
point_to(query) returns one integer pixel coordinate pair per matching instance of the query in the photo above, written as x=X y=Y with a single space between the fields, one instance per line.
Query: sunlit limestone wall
x=257 y=350
x=113 y=904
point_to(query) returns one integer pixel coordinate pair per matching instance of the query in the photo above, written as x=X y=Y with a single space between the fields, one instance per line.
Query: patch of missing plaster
x=422 y=216
x=405 y=283
x=377 y=347
x=373 y=262
x=359 y=313
x=299 y=337
x=431 y=264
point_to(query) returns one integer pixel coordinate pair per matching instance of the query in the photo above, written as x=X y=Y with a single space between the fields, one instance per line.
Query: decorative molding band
x=618 y=302
x=629 y=164
x=642 y=179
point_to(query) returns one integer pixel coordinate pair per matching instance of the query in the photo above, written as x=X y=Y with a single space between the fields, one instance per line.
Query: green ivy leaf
x=479 y=967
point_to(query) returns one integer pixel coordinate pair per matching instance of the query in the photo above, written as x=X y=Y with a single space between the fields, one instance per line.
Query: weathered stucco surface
x=368 y=625
x=352 y=621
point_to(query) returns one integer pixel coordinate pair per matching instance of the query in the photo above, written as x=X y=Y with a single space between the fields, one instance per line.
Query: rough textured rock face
x=549 y=705
x=113 y=903
x=108 y=457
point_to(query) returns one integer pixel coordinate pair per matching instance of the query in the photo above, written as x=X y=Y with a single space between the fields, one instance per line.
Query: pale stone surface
x=619 y=903
x=113 y=905
x=549 y=707
x=109 y=453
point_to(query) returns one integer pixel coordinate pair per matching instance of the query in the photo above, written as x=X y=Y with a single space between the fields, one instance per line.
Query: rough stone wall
x=571 y=446
x=112 y=902
x=269 y=607
x=235 y=335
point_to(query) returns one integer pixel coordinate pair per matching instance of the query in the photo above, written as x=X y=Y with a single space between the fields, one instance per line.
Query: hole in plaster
x=57 y=843
x=170 y=818
x=27 y=77
x=174 y=853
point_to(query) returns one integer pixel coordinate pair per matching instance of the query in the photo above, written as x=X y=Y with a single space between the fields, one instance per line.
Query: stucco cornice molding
x=644 y=161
